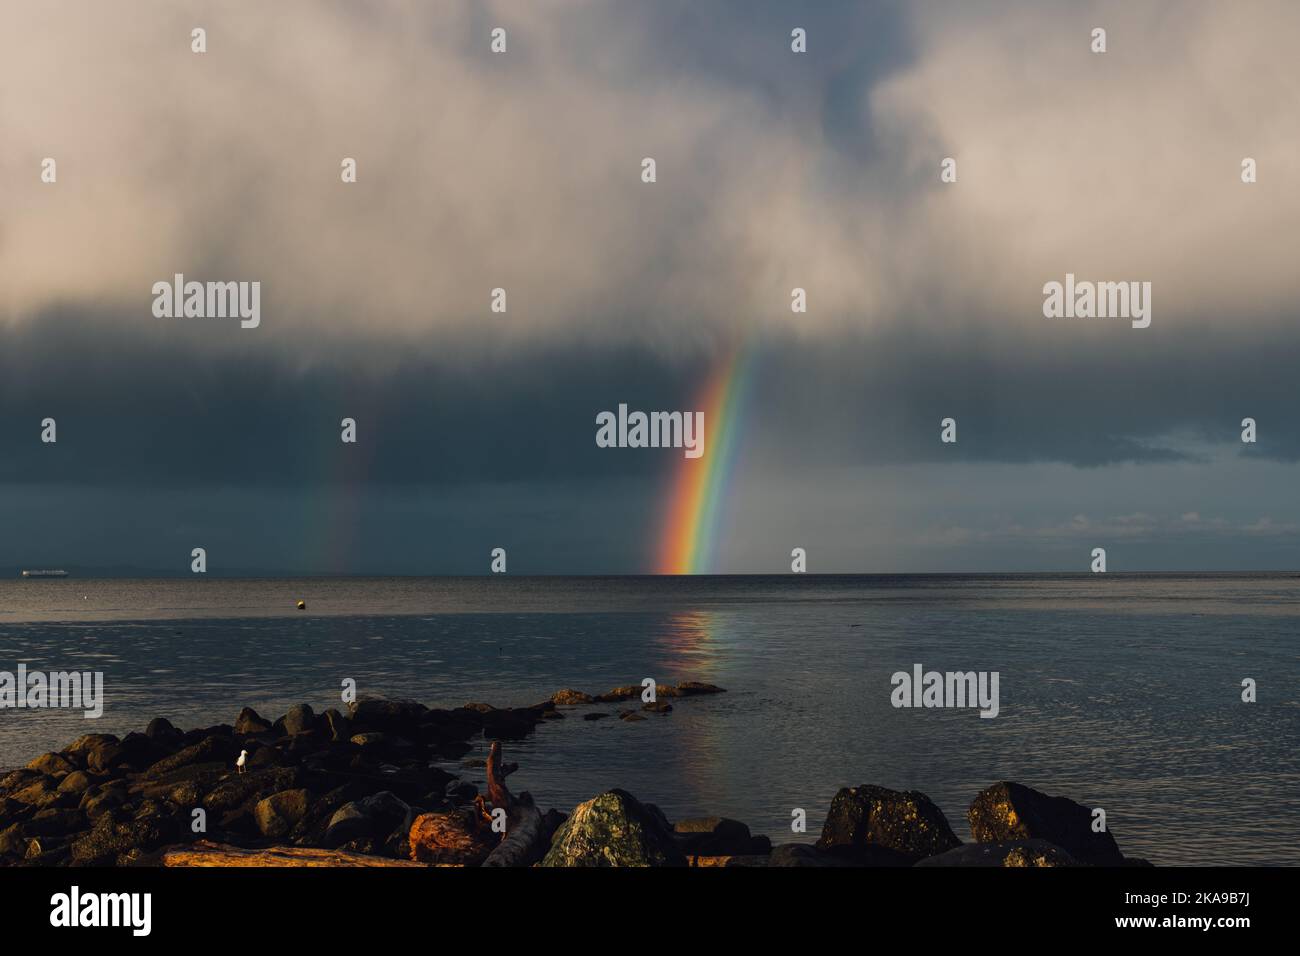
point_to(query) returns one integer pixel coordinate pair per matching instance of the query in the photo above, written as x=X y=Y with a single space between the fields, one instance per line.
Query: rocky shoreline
x=362 y=788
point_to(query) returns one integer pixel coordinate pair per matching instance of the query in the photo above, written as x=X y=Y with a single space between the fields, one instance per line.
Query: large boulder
x=162 y=732
x=76 y=782
x=1003 y=853
x=1012 y=811
x=299 y=719
x=40 y=793
x=279 y=813
x=52 y=763
x=868 y=817
x=238 y=788
x=207 y=750
x=393 y=716
x=250 y=722
x=337 y=727
x=374 y=817
x=458 y=837
x=614 y=829
x=86 y=743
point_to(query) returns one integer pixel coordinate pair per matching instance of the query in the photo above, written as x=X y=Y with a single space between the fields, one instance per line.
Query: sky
x=522 y=170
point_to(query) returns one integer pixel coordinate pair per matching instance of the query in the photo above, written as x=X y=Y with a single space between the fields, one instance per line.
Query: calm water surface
x=1118 y=691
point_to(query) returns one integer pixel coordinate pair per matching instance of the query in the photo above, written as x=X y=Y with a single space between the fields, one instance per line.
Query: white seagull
x=239 y=764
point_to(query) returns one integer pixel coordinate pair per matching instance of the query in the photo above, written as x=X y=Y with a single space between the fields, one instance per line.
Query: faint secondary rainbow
x=699 y=485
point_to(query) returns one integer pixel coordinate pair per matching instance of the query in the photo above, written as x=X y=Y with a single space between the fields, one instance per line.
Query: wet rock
x=510 y=724
x=459 y=837
x=1012 y=811
x=86 y=743
x=161 y=732
x=718 y=836
x=658 y=707
x=310 y=830
x=55 y=822
x=614 y=829
x=109 y=838
x=52 y=763
x=208 y=750
x=237 y=789
x=264 y=758
x=375 y=816
x=569 y=697
x=76 y=782
x=337 y=726
x=630 y=715
x=453 y=749
x=372 y=739
x=691 y=688
x=627 y=692
x=906 y=822
x=105 y=758
x=249 y=722
x=279 y=813
x=461 y=791
x=17 y=779
x=299 y=719
x=394 y=716
x=184 y=785
x=96 y=803
x=801 y=854
x=299 y=745
x=40 y=793
x=1003 y=853
x=13 y=841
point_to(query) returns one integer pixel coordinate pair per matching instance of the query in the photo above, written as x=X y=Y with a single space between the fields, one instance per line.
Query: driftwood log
x=205 y=853
x=525 y=840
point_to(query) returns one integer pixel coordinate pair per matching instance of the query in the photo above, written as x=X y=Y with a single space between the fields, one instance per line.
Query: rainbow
x=698 y=493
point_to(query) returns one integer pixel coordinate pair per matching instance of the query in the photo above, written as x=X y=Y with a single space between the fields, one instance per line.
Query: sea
x=1122 y=692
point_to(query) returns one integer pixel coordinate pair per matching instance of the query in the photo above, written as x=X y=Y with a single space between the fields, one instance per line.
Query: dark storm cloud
x=166 y=409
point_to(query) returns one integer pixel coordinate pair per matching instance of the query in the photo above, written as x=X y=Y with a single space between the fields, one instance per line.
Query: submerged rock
x=690 y=688
x=626 y=692
x=1003 y=853
x=569 y=696
x=614 y=829
x=1012 y=811
x=906 y=822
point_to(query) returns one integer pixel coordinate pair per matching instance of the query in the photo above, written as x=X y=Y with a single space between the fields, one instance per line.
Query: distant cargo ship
x=45 y=574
